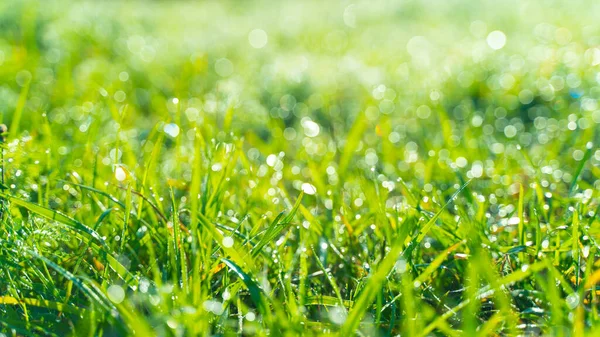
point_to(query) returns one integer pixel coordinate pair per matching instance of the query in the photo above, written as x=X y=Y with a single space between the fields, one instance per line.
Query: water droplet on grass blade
x=309 y=188
x=171 y=129
x=228 y=242
x=120 y=173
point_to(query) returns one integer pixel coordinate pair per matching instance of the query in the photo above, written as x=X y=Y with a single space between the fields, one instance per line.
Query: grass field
x=256 y=168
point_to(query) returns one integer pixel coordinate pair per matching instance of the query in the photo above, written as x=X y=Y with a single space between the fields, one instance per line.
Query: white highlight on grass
x=496 y=40
x=120 y=173
x=309 y=188
x=585 y=251
x=258 y=38
x=171 y=129
x=115 y=293
x=545 y=244
x=226 y=295
x=227 y=242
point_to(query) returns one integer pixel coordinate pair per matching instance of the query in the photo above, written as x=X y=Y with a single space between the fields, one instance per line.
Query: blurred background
x=498 y=73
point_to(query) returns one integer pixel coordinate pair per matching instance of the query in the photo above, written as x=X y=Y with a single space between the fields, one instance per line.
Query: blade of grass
x=256 y=293
x=62 y=307
x=277 y=227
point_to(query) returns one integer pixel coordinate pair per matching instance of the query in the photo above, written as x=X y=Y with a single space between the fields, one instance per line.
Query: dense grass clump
x=299 y=168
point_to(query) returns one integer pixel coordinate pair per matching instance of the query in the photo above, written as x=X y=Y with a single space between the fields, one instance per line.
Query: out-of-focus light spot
x=215 y=307
x=311 y=129
x=120 y=96
x=461 y=162
x=123 y=76
x=250 y=316
x=510 y=131
x=23 y=77
x=171 y=129
x=496 y=39
x=258 y=38
x=423 y=112
x=526 y=96
x=115 y=293
x=271 y=160
x=223 y=67
x=349 y=16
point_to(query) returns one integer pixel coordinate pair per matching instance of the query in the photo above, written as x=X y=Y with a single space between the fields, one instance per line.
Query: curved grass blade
x=375 y=282
x=97 y=191
x=352 y=141
x=435 y=264
x=238 y=252
x=90 y=291
x=80 y=228
x=256 y=293
x=277 y=227
x=586 y=157
x=423 y=232
x=56 y=216
x=331 y=281
x=368 y=294
x=486 y=291
x=62 y=307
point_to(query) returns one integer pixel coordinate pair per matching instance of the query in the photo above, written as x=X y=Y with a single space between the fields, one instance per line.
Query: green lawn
x=286 y=168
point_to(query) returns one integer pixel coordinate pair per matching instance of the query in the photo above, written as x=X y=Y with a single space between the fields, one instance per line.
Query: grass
x=256 y=168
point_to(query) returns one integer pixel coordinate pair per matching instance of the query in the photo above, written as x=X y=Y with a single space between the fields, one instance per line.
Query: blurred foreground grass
x=373 y=168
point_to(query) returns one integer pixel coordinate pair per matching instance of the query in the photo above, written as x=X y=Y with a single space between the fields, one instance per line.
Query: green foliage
x=299 y=168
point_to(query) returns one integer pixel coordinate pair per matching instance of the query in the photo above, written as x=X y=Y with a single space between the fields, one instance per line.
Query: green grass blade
x=256 y=293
